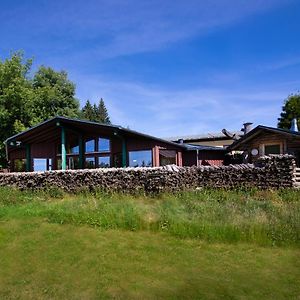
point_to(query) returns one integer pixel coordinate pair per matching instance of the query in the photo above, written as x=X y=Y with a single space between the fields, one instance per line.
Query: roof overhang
x=50 y=131
x=258 y=130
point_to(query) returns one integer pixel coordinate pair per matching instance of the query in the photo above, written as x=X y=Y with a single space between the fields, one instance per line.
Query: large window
x=90 y=162
x=103 y=161
x=272 y=149
x=73 y=162
x=167 y=157
x=90 y=146
x=101 y=148
x=97 y=145
x=103 y=145
x=140 y=158
x=42 y=164
x=74 y=150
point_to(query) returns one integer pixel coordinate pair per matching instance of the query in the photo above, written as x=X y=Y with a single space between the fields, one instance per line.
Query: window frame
x=140 y=150
x=263 y=147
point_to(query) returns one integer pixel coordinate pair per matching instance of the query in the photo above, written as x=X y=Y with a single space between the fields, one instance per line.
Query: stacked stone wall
x=268 y=173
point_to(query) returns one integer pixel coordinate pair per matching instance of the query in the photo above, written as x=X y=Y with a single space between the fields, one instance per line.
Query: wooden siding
x=189 y=158
x=205 y=158
x=288 y=144
x=49 y=150
x=43 y=150
x=19 y=153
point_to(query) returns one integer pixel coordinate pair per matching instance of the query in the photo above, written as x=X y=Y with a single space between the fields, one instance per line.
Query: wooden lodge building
x=63 y=143
x=263 y=140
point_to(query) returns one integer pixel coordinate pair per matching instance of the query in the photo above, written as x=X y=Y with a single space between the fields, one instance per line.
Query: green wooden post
x=28 y=158
x=81 y=152
x=124 y=153
x=63 y=149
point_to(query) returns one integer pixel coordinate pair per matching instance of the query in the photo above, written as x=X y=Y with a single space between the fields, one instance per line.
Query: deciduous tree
x=290 y=110
x=25 y=101
x=54 y=95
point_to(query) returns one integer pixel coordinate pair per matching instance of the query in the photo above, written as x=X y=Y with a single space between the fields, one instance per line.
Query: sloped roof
x=203 y=136
x=191 y=147
x=257 y=130
x=119 y=129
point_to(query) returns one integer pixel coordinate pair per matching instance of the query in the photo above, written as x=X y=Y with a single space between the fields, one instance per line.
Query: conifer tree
x=95 y=113
x=102 y=113
x=88 y=111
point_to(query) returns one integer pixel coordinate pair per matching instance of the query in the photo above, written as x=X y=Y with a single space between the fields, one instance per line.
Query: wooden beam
x=28 y=158
x=124 y=153
x=63 y=149
x=81 y=152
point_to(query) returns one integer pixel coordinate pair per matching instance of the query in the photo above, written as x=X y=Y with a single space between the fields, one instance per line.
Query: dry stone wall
x=268 y=172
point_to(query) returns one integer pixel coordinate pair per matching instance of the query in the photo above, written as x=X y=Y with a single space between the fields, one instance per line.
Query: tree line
x=28 y=98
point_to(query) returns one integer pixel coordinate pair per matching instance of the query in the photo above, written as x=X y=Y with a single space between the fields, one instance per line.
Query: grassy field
x=201 y=245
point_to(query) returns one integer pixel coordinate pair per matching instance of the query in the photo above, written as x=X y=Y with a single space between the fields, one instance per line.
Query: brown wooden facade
x=202 y=157
x=267 y=140
x=63 y=143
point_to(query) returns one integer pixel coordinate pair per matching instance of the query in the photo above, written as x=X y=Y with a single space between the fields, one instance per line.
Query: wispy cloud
x=86 y=38
x=281 y=63
x=107 y=29
x=164 y=112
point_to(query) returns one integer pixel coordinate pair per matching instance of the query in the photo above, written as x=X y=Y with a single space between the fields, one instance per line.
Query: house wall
x=19 y=153
x=49 y=150
x=288 y=145
x=134 y=144
x=189 y=158
x=205 y=158
x=211 y=158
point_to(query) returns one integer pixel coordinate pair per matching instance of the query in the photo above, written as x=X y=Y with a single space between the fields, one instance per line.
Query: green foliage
x=290 y=110
x=102 y=113
x=95 y=113
x=54 y=95
x=87 y=112
x=16 y=95
x=260 y=217
x=25 y=101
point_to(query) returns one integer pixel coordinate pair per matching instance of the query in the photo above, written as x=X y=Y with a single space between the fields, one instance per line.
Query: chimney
x=247 y=127
x=294 y=126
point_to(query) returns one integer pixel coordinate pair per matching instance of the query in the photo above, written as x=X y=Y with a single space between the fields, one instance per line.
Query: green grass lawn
x=94 y=246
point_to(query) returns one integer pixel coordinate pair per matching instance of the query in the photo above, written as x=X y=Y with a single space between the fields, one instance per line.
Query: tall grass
x=261 y=217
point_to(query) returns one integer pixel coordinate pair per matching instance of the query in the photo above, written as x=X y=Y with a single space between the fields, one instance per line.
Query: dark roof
x=190 y=147
x=119 y=129
x=205 y=136
x=254 y=132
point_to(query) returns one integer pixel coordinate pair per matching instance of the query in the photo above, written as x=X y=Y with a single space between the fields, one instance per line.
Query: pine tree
x=88 y=111
x=102 y=113
x=95 y=113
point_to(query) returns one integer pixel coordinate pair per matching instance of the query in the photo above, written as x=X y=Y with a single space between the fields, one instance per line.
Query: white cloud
x=280 y=64
x=165 y=112
x=106 y=29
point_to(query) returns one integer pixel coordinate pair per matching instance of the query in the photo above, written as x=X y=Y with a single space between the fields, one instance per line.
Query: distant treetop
x=290 y=110
x=96 y=113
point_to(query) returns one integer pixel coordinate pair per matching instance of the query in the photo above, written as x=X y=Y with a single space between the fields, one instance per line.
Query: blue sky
x=166 y=67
